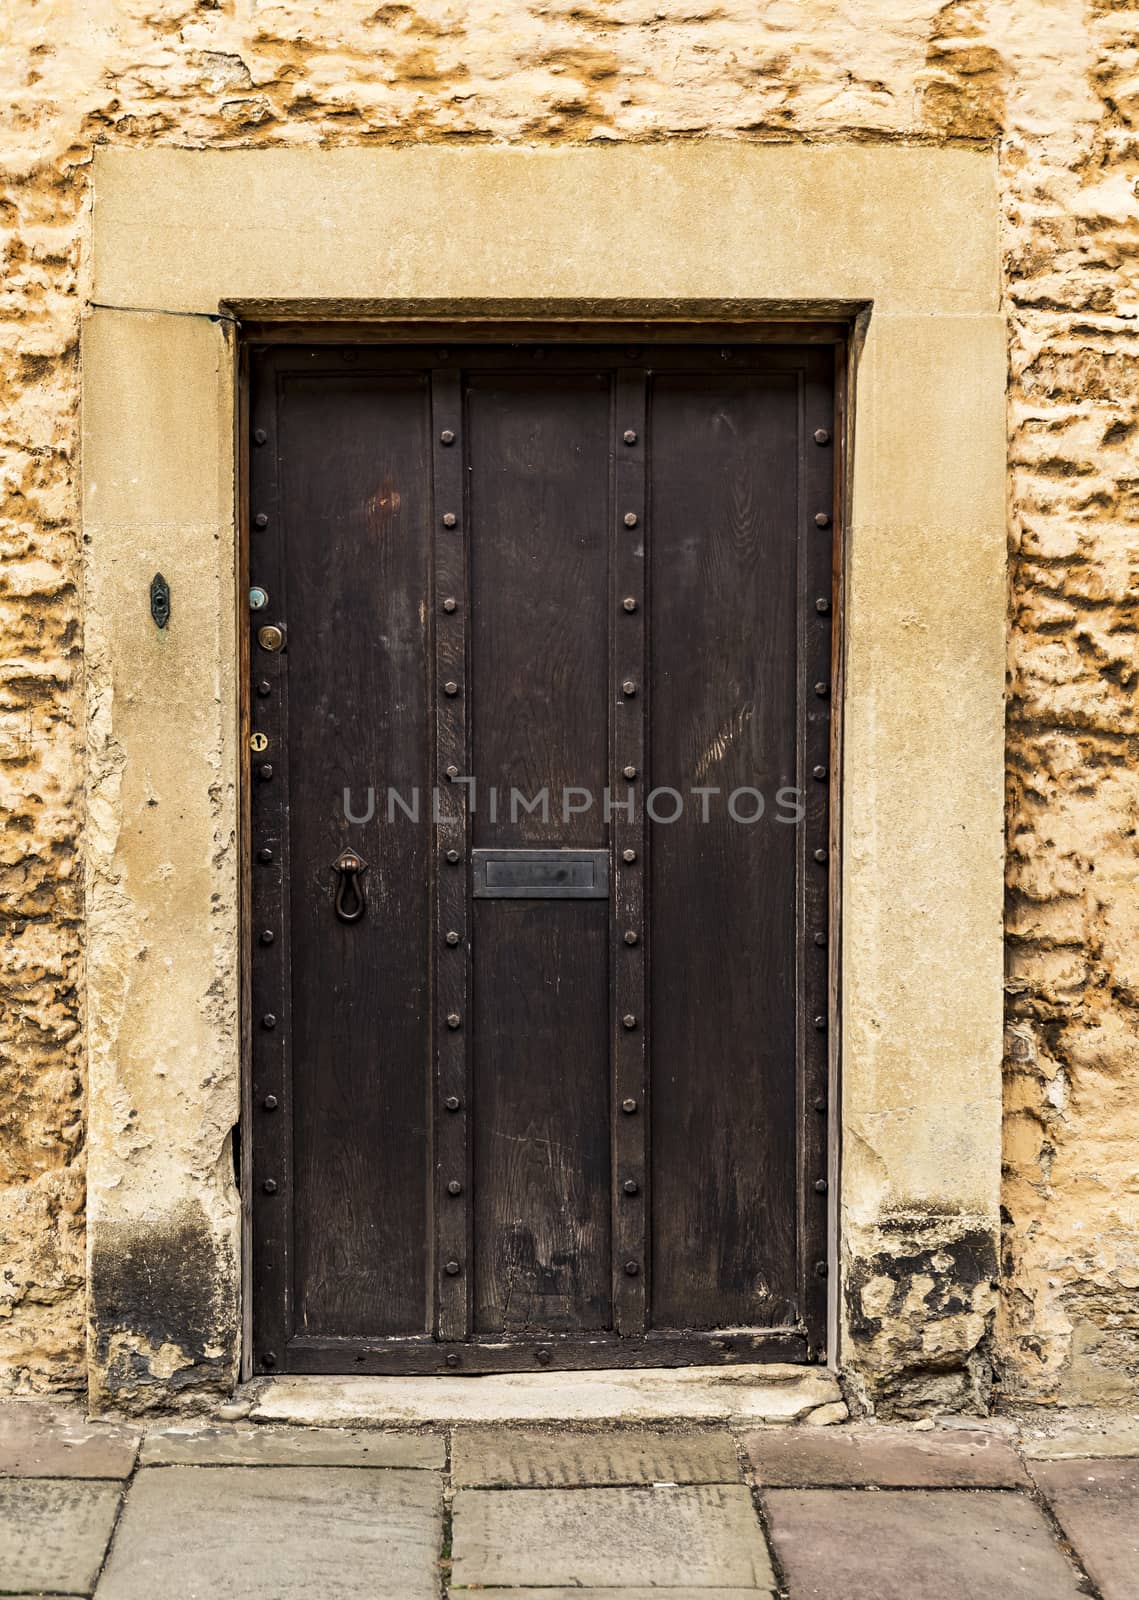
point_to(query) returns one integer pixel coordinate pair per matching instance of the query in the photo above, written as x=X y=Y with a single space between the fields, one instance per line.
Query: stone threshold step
x=739 y=1394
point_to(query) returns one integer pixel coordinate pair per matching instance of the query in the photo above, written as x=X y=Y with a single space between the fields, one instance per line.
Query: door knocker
x=350 y=903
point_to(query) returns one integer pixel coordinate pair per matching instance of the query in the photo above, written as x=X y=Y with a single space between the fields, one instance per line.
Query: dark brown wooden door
x=540 y=650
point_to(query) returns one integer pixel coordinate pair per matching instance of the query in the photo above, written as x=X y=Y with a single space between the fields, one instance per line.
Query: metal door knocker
x=350 y=903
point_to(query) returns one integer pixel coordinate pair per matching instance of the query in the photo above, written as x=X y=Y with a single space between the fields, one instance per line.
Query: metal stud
x=822 y=520
x=265 y=771
x=820 y=1103
x=820 y=1269
x=452 y=773
x=446 y=437
x=454 y=1187
x=628 y=855
x=632 y=936
x=630 y=519
x=629 y=603
x=822 y=436
x=452 y=1102
x=264 y=688
x=631 y=1269
x=449 y=604
x=270 y=1186
x=267 y=936
x=542 y=1357
x=268 y=1020
x=629 y=772
x=820 y=938
x=270 y=1102
x=451 y=688
x=628 y=688
x=454 y=1020
x=260 y=436
x=820 y=1024
x=628 y=1020
x=631 y=1186
x=453 y=858
x=629 y=1107
x=629 y=436
x=261 y=520
x=822 y=606
x=451 y=1359
x=265 y=854
x=452 y=936
x=452 y=1269
x=820 y=856
x=822 y=690
x=820 y=1186
x=268 y=1359
x=449 y=519
x=819 y=773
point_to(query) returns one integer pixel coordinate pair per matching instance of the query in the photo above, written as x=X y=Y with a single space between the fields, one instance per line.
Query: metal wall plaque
x=540 y=874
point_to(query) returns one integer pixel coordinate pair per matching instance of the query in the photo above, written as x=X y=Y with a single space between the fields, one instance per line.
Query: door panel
x=526 y=1111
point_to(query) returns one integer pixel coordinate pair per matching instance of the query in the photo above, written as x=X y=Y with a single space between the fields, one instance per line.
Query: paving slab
x=885 y=1457
x=533 y=1459
x=216 y=1446
x=917 y=1544
x=696 y=1537
x=43 y=1439
x=277 y=1533
x=53 y=1534
x=622 y=1593
x=1097 y=1505
x=1075 y=1438
x=751 y=1393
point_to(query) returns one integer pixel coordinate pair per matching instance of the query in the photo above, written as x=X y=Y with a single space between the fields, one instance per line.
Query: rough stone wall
x=1055 y=85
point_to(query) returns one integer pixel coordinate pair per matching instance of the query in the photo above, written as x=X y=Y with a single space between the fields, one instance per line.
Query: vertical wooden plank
x=815 y=695
x=450 y=941
x=724 y=514
x=539 y=454
x=354 y=511
x=269 y=1178
x=627 y=777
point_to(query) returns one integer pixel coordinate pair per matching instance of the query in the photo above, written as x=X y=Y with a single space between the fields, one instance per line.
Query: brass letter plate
x=541 y=874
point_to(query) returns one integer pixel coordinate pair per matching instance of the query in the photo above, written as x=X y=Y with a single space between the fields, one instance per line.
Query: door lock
x=271 y=637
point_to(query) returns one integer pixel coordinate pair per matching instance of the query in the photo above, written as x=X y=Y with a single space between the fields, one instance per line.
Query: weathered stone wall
x=1054 y=84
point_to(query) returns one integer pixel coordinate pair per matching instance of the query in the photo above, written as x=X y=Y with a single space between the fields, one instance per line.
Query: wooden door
x=540 y=648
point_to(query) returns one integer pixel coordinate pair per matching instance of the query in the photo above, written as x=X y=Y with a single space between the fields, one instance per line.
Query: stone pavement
x=257 y=1511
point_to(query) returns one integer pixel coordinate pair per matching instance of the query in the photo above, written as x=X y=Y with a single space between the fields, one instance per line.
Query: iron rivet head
x=268 y=1020
x=451 y=688
x=452 y=1269
x=822 y=690
x=261 y=520
x=264 y=688
x=454 y=1020
x=265 y=854
x=441 y=355
x=820 y=856
x=449 y=604
x=820 y=1103
x=819 y=773
x=630 y=772
x=267 y=936
x=820 y=938
x=629 y=1107
x=260 y=436
x=628 y=688
x=452 y=936
x=820 y=1186
x=822 y=436
x=452 y=1102
x=822 y=520
x=449 y=519
x=265 y=771
x=453 y=857
x=632 y=936
x=446 y=437
x=630 y=519
x=542 y=1357
x=452 y=1359
x=270 y=1186
x=628 y=1020
x=821 y=1024
x=822 y=606
x=631 y=1186
x=629 y=603
x=454 y=1187
x=270 y=1102
x=630 y=436
x=268 y=1359
x=452 y=773
x=628 y=855
x=631 y=1269
x=820 y=1269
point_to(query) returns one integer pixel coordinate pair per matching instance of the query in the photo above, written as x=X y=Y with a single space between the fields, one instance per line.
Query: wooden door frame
x=652 y=1349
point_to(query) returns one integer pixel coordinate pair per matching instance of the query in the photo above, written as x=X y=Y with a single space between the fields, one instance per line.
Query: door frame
x=904 y=239
x=425 y=1355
